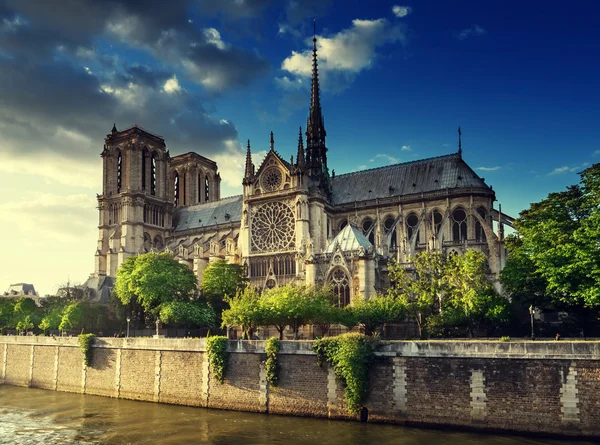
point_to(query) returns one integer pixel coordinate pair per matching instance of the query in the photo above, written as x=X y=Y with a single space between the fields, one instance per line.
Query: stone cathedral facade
x=295 y=221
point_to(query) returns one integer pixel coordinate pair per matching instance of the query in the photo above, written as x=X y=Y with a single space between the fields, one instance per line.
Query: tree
x=7 y=310
x=72 y=317
x=246 y=310
x=373 y=313
x=187 y=314
x=25 y=314
x=221 y=279
x=152 y=279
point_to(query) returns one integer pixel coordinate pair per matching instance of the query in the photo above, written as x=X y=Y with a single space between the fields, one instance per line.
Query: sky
x=397 y=79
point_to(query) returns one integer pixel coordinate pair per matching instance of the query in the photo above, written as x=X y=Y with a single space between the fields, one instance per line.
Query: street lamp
x=128 y=320
x=531 y=312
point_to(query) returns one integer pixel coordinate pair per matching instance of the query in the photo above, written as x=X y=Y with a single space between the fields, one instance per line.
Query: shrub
x=85 y=344
x=271 y=364
x=216 y=348
x=350 y=356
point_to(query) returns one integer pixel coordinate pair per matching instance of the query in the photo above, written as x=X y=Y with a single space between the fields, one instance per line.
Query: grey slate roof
x=350 y=238
x=416 y=177
x=209 y=214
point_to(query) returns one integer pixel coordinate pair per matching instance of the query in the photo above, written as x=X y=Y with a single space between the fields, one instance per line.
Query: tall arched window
x=153 y=175
x=459 y=225
x=176 y=189
x=436 y=222
x=147 y=242
x=412 y=224
x=144 y=170
x=390 y=231
x=199 y=187
x=119 y=171
x=369 y=229
x=479 y=232
x=343 y=224
x=184 y=184
x=206 y=189
x=340 y=285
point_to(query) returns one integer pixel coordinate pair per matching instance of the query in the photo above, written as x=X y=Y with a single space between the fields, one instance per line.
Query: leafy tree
x=221 y=279
x=25 y=324
x=25 y=313
x=187 y=314
x=7 y=310
x=152 y=279
x=373 y=313
x=246 y=310
x=72 y=317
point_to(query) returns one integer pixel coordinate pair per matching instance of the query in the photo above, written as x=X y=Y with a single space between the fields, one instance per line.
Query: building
x=295 y=221
x=22 y=290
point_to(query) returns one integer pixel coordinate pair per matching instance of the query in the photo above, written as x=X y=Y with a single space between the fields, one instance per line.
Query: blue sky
x=398 y=78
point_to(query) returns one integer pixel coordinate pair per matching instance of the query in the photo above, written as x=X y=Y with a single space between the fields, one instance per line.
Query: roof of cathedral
x=416 y=177
x=208 y=214
x=350 y=238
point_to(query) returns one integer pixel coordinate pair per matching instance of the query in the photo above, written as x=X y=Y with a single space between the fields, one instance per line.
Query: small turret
x=300 y=156
x=249 y=170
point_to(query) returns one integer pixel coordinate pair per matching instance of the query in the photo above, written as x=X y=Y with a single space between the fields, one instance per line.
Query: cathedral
x=295 y=221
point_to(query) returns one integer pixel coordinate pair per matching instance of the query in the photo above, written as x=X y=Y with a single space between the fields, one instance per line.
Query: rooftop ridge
x=226 y=198
x=139 y=127
x=449 y=155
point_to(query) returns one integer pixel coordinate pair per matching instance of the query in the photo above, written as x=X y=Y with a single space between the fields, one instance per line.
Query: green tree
x=246 y=309
x=72 y=317
x=373 y=313
x=187 y=314
x=221 y=279
x=25 y=313
x=7 y=310
x=152 y=279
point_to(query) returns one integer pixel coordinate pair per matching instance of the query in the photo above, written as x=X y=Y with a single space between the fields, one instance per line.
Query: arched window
x=459 y=225
x=153 y=175
x=158 y=242
x=206 y=189
x=479 y=232
x=199 y=187
x=176 y=189
x=390 y=230
x=412 y=224
x=144 y=170
x=147 y=242
x=343 y=224
x=119 y=171
x=436 y=222
x=184 y=189
x=369 y=229
x=340 y=285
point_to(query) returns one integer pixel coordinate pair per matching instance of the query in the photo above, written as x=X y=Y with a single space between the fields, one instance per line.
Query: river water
x=35 y=416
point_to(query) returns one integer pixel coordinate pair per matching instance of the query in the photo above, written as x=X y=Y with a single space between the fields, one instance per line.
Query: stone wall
x=539 y=387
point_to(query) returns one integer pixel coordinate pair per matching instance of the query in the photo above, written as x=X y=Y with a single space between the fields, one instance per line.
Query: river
x=35 y=416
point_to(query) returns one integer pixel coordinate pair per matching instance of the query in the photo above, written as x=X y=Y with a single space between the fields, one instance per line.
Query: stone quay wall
x=526 y=387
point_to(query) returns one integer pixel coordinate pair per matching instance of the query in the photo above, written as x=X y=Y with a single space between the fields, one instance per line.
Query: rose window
x=273 y=228
x=272 y=179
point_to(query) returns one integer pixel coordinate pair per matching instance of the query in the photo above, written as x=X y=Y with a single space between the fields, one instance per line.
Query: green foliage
x=271 y=364
x=221 y=279
x=245 y=310
x=7 y=310
x=375 y=312
x=72 y=317
x=505 y=338
x=25 y=324
x=85 y=345
x=350 y=356
x=559 y=241
x=185 y=313
x=152 y=279
x=80 y=315
x=218 y=356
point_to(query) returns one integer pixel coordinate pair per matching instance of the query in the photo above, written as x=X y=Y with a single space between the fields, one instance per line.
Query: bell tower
x=135 y=210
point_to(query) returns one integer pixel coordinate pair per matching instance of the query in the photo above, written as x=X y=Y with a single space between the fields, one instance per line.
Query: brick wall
x=539 y=387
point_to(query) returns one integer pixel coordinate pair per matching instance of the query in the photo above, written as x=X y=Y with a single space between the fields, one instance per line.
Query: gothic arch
x=459 y=218
x=339 y=280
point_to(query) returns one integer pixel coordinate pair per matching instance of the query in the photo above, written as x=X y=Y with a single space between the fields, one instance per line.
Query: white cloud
x=473 y=30
x=488 y=169
x=213 y=37
x=12 y=25
x=348 y=52
x=406 y=148
x=286 y=83
x=566 y=168
x=232 y=162
x=362 y=167
x=388 y=158
x=172 y=85
x=401 y=11
x=596 y=153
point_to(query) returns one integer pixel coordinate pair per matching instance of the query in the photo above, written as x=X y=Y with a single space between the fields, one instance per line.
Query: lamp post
x=128 y=320
x=531 y=312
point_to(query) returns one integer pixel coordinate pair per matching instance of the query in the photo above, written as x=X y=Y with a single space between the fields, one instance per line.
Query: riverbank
x=526 y=387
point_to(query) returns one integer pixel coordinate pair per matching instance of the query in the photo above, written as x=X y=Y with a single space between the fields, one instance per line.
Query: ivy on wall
x=85 y=345
x=350 y=356
x=272 y=346
x=218 y=356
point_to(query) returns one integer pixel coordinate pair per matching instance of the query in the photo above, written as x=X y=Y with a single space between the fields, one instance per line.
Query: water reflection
x=33 y=416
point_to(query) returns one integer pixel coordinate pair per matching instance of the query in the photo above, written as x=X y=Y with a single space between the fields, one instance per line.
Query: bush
x=350 y=356
x=216 y=348
x=271 y=364
x=85 y=344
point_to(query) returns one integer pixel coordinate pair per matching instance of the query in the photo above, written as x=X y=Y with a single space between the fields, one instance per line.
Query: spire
x=300 y=155
x=114 y=129
x=272 y=142
x=249 y=172
x=459 y=142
